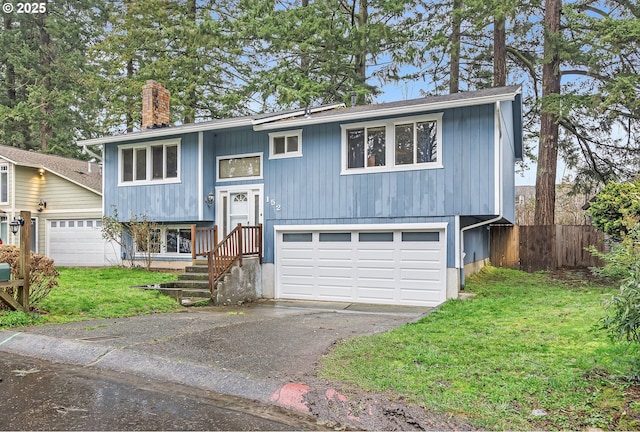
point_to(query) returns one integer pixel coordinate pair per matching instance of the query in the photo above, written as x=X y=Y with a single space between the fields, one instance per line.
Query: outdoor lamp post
x=16 y=224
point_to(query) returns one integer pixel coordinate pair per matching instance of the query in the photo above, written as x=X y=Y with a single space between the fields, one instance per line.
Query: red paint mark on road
x=292 y=396
x=333 y=394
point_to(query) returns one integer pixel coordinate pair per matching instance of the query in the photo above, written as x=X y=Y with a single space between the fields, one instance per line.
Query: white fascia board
x=383 y=112
x=6 y=159
x=200 y=176
x=162 y=132
x=497 y=149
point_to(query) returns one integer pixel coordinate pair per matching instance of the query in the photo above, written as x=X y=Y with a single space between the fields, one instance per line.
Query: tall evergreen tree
x=548 y=147
x=44 y=101
x=184 y=44
x=320 y=51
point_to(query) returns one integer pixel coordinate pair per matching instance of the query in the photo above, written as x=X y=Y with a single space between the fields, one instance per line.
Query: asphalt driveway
x=265 y=351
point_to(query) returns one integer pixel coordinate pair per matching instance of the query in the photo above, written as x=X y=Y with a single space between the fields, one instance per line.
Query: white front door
x=238 y=204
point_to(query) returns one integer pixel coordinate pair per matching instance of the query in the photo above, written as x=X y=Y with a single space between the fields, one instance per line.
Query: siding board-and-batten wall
x=167 y=202
x=311 y=190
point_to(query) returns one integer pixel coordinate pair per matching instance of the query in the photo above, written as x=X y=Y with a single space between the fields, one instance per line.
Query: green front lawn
x=87 y=293
x=525 y=353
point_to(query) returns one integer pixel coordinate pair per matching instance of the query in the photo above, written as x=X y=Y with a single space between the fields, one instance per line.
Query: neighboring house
x=385 y=203
x=569 y=208
x=65 y=199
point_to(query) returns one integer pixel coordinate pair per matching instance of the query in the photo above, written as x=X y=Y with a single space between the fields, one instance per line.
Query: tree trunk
x=129 y=107
x=10 y=73
x=191 y=97
x=46 y=51
x=361 y=57
x=454 y=65
x=499 y=52
x=548 y=146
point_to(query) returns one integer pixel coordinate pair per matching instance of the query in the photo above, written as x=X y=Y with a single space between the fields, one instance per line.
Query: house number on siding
x=274 y=204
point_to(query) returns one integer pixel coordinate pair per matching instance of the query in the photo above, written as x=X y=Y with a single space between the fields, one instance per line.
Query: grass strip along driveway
x=525 y=353
x=89 y=293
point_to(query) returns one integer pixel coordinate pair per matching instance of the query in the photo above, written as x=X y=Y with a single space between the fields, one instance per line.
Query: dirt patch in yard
x=580 y=277
x=352 y=409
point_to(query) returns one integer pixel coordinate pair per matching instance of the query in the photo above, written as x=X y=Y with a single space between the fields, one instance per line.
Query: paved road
x=265 y=351
x=40 y=395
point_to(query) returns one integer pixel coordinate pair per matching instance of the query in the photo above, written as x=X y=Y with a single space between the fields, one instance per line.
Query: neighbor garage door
x=79 y=242
x=398 y=266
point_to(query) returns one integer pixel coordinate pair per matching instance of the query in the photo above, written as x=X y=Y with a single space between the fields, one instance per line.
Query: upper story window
x=285 y=144
x=392 y=145
x=4 y=184
x=239 y=167
x=157 y=161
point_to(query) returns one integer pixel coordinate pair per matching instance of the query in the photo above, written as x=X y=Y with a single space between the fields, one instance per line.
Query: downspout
x=462 y=254
x=497 y=188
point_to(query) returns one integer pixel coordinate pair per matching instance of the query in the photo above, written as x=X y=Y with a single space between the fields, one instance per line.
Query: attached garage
x=358 y=263
x=79 y=242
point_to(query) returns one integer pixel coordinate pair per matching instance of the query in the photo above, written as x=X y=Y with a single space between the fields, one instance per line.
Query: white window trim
x=239 y=156
x=285 y=135
x=4 y=168
x=163 y=244
x=390 y=135
x=147 y=146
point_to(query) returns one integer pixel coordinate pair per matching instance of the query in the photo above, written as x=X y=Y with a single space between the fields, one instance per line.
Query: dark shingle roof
x=84 y=173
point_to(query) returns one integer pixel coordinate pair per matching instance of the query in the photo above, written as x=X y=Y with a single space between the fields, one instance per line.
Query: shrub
x=624 y=256
x=614 y=206
x=622 y=320
x=138 y=238
x=43 y=275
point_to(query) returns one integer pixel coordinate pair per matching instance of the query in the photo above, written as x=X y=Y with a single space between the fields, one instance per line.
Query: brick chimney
x=155 y=105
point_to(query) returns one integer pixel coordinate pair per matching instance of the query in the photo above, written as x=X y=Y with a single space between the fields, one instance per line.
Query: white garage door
x=79 y=242
x=399 y=266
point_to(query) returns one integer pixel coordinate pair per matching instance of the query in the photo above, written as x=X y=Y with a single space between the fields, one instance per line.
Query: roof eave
x=162 y=132
x=383 y=112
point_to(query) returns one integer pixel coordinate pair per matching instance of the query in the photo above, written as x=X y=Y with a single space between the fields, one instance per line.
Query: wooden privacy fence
x=548 y=247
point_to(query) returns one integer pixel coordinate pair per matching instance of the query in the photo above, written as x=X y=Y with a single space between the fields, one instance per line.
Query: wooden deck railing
x=241 y=241
x=203 y=240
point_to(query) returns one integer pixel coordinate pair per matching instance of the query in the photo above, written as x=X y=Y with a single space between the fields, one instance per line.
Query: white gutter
x=166 y=131
x=92 y=154
x=498 y=188
x=298 y=113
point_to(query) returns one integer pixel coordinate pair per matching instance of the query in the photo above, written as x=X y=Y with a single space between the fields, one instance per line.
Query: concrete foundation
x=475 y=267
x=268 y=281
x=453 y=283
x=242 y=284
